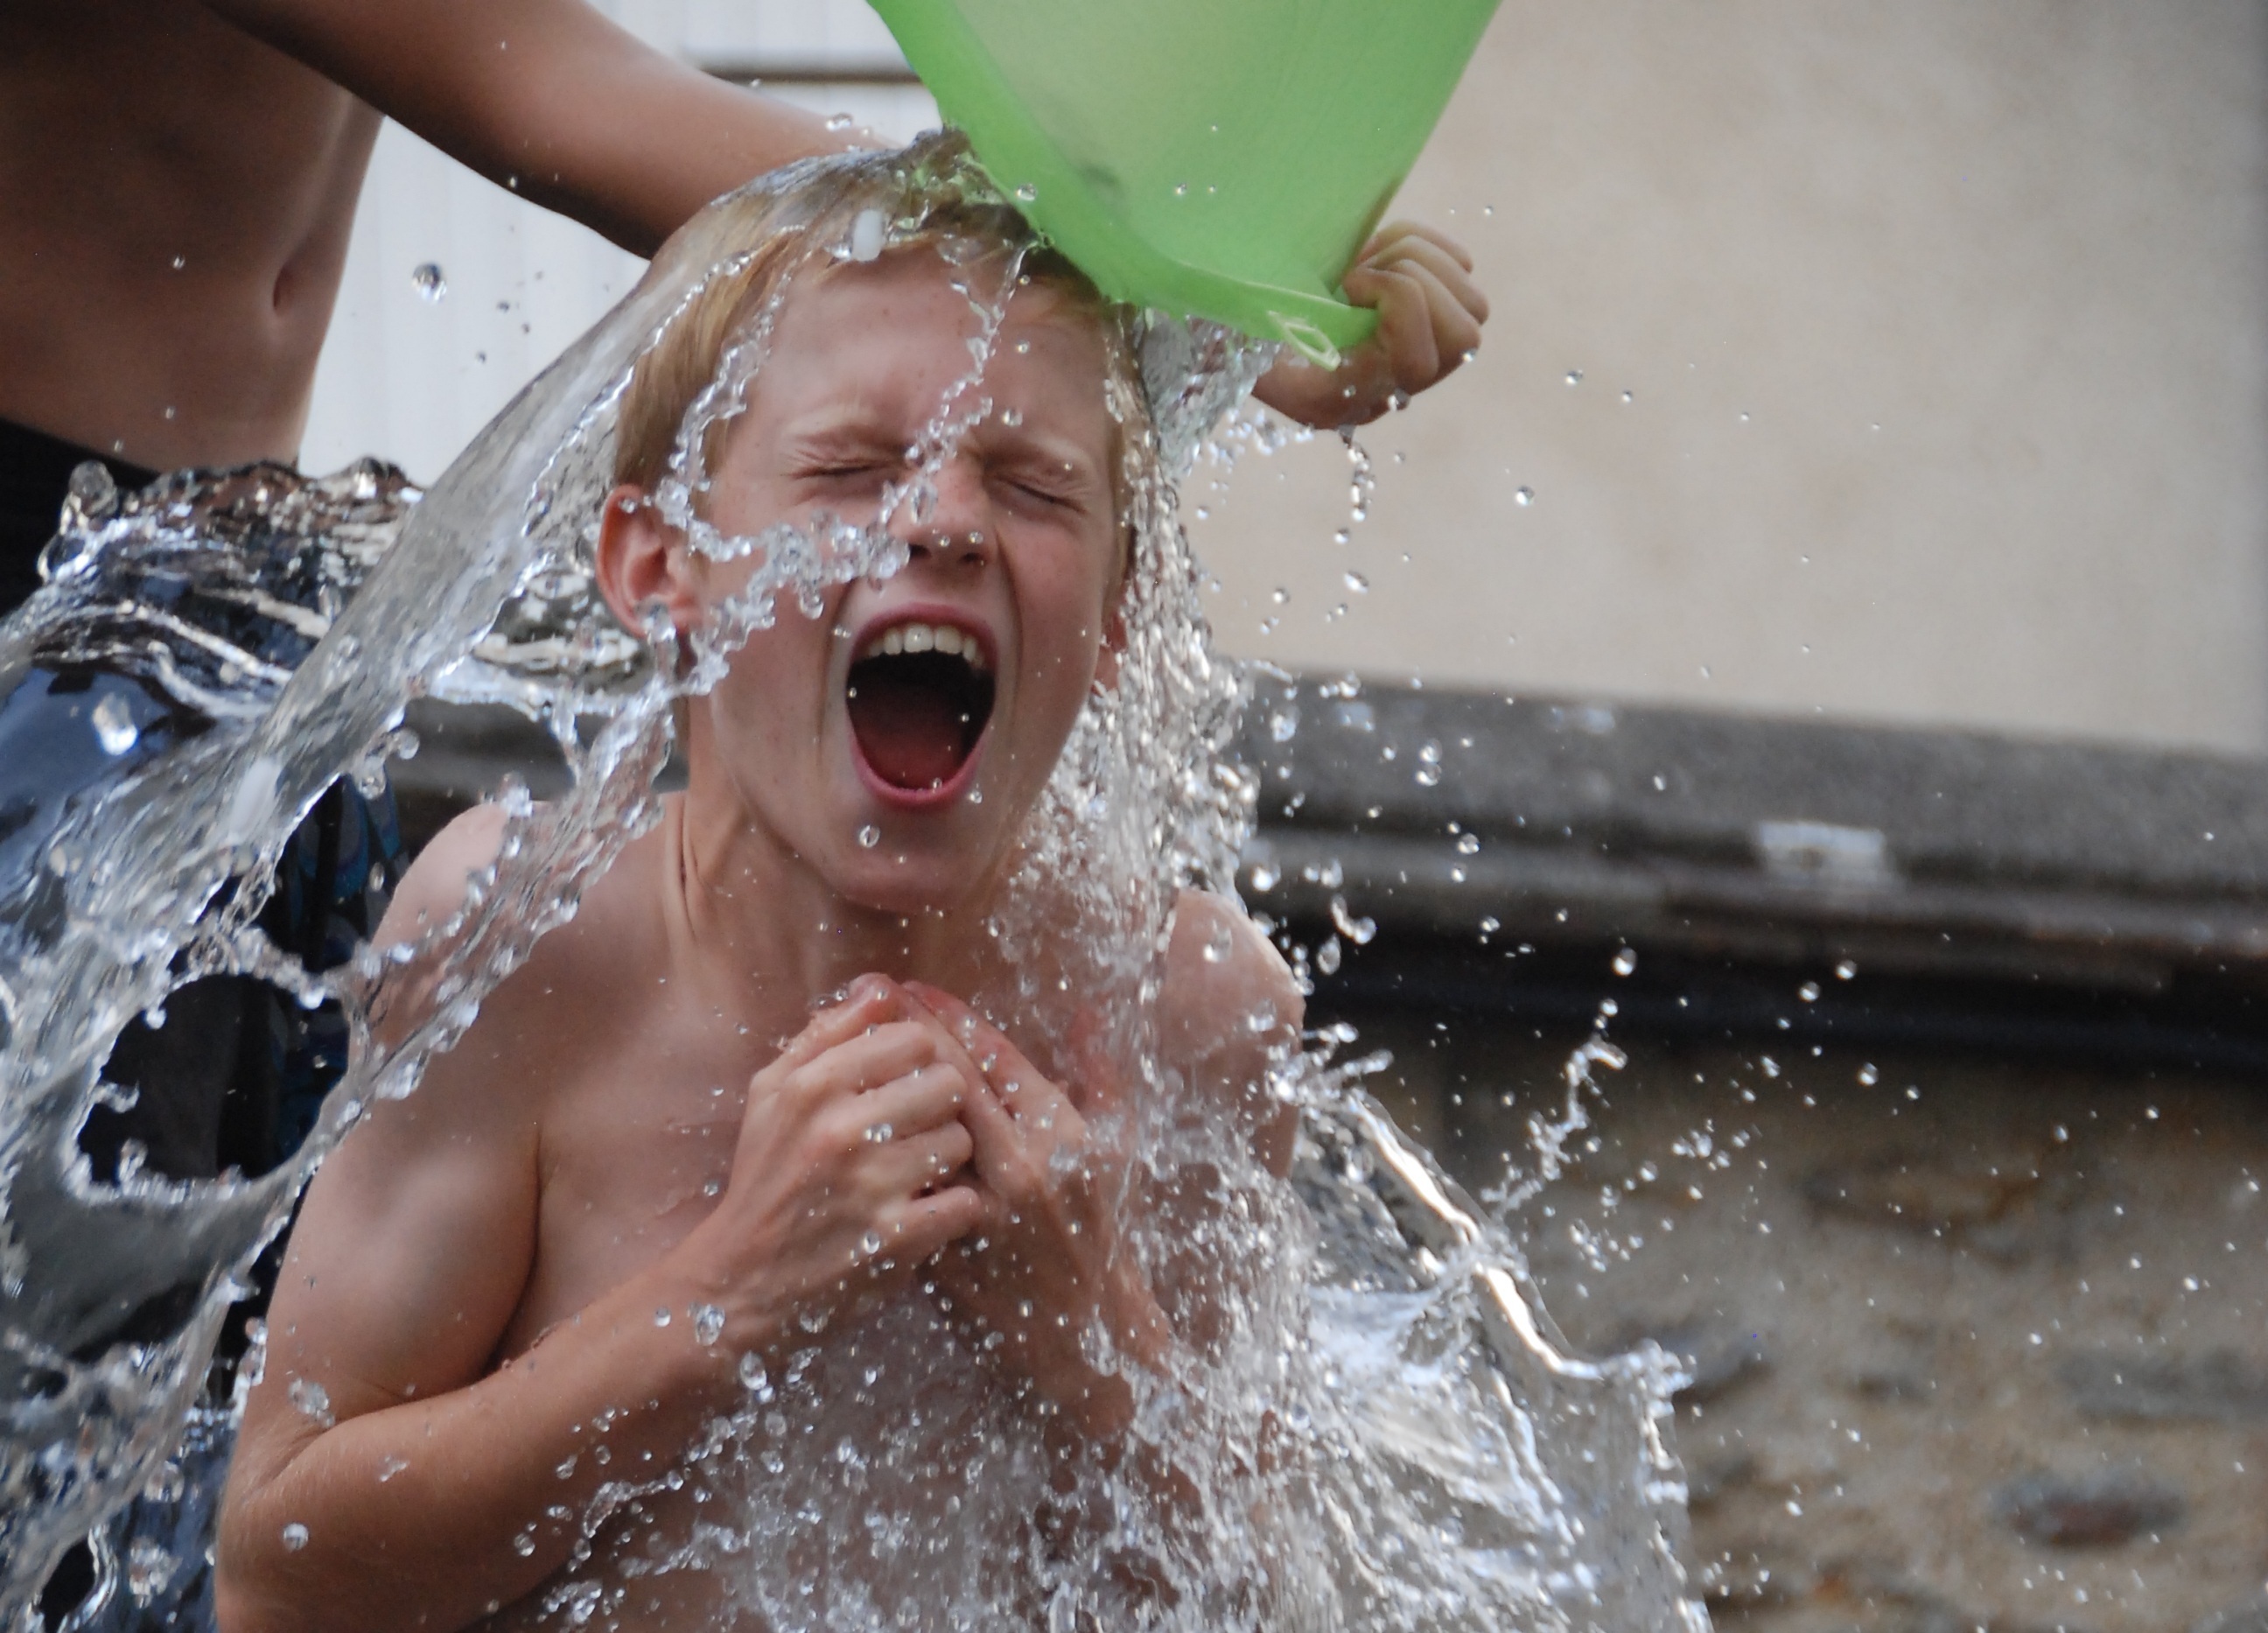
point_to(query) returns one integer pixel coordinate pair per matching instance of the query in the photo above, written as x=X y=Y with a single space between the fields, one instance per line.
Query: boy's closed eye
x=1052 y=487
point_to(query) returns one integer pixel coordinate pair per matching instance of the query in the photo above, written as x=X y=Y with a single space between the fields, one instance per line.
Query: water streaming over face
x=1369 y=1421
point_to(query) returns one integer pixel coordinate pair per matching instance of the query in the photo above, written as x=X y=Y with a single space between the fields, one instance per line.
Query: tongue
x=911 y=735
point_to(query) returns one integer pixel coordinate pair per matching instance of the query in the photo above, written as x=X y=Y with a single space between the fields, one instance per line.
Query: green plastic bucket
x=1218 y=158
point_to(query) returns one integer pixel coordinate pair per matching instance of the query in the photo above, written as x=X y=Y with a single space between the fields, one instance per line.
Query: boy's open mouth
x=919 y=697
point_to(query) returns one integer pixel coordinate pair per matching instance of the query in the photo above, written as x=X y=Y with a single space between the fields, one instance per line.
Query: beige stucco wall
x=1942 y=325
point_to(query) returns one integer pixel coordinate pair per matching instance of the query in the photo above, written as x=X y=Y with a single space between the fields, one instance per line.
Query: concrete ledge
x=1757 y=839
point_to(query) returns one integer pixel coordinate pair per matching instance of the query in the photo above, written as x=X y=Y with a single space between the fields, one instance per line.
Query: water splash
x=1380 y=1429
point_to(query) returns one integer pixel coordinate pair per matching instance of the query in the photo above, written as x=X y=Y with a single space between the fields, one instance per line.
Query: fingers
x=880 y=1053
x=1023 y=1090
x=919 y=1163
x=870 y=1002
x=1430 y=310
x=926 y=1223
x=1395 y=234
x=1454 y=277
x=930 y=1097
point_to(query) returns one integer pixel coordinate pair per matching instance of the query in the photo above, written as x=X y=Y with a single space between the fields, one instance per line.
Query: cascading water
x=1381 y=1425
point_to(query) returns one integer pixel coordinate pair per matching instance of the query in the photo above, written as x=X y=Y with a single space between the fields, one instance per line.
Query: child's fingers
x=918 y=1162
x=1405 y=327
x=1456 y=331
x=882 y=1053
x=996 y=1145
x=871 y=1000
x=923 y=1224
x=1024 y=1089
x=1453 y=276
x=1405 y=232
x=922 y=1100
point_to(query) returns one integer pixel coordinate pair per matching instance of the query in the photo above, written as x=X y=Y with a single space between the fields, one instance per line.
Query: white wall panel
x=411 y=379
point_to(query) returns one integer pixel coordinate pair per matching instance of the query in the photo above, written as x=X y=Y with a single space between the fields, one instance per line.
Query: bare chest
x=636 y=1148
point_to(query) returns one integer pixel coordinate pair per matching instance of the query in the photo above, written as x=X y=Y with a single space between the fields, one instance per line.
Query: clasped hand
x=902 y=1135
x=1047 y=1261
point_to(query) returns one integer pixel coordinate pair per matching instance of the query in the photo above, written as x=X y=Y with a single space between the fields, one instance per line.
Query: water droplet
x=149 y=1568
x=180 y=262
x=1628 y=397
x=661 y=1315
x=312 y=1401
x=752 y=1374
x=1026 y=194
x=1012 y=417
x=295 y=1537
x=1524 y=498
x=1847 y=970
x=1625 y=961
x=1468 y=843
x=1327 y=956
x=878 y=1133
x=426 y=279
x=1574 y=376
x=1808 y=992
x=114 y=724
x=1359 y=931
x=708 y=1324
x=1279 y=596
x=1358 y=584
x=1265 y=877
x=870 y=1245
x=869 y=837
x=524 y=1543
x=1869 y=1076
x=1220 y=945
x=840 y=121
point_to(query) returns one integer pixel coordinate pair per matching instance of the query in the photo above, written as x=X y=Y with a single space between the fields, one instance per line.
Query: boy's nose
x=957 y=530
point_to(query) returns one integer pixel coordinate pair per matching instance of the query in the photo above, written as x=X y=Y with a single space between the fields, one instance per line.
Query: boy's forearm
x=433 y=1513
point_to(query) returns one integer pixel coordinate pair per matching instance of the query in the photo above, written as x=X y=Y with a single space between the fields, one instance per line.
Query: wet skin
x=476 y=1276
x=178 y=181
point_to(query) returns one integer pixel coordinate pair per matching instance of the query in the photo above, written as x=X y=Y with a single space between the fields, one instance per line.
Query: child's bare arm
x=424 y=1489
x=551 y=97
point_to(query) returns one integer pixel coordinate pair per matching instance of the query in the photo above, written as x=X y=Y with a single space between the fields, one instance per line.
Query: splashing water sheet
x=1382 y=1427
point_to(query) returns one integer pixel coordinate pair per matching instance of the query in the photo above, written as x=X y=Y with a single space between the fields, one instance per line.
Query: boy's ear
x=643 y=560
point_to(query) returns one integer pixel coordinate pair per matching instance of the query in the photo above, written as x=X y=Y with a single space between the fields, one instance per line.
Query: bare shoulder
x=1224 y=977
x=567 y=970
x=1230 y=1010
x=434 y=888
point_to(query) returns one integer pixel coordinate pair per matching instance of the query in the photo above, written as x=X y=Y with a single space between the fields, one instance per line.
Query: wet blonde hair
x=684 y=359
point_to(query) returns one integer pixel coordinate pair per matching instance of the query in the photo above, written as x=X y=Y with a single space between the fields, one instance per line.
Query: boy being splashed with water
x=670 y=1299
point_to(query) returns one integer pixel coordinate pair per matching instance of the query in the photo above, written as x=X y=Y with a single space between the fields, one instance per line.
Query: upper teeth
x=926 y=638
